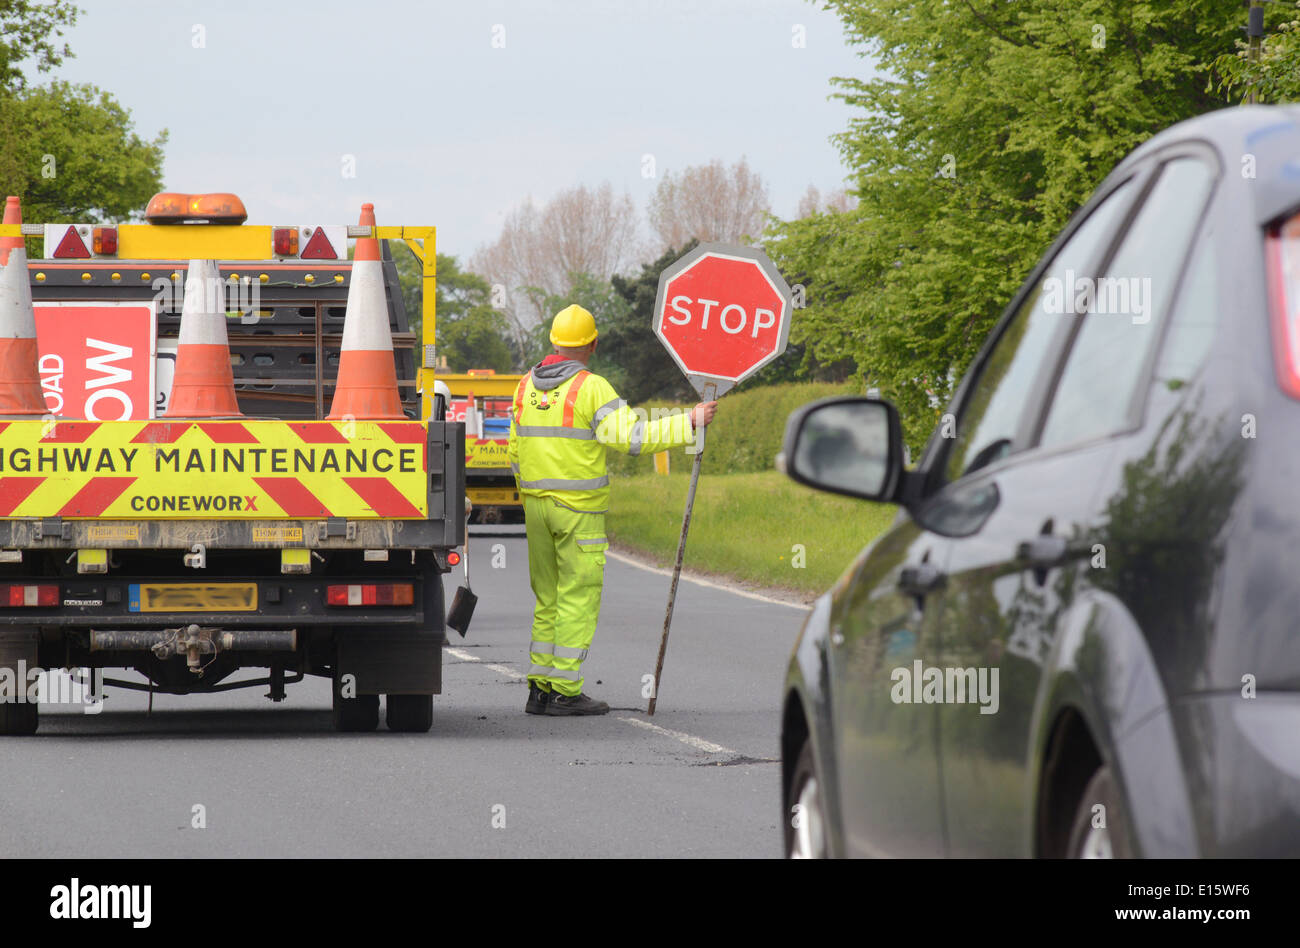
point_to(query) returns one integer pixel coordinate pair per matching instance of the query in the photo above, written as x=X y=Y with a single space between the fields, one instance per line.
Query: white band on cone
x=17 y=319
x=365 y=322
x=203 y=315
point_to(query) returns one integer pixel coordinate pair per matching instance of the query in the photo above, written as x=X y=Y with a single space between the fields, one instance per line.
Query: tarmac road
x=487 y=780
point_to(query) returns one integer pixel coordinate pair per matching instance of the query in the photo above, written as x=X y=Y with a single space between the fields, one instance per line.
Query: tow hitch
x=193 y=641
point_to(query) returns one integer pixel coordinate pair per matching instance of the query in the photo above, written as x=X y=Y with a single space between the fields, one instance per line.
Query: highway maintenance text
x=223 y=460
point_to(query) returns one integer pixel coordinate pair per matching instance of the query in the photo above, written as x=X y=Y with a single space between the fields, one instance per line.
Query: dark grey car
x=1081 y=636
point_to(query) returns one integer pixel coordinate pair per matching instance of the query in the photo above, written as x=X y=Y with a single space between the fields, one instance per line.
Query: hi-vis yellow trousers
x=566 y=566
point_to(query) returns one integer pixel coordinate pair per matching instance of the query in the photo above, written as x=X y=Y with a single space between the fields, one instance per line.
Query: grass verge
x=746 y=527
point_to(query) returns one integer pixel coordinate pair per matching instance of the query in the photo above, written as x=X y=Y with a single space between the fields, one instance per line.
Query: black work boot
x=537 y=699
x=562 y=705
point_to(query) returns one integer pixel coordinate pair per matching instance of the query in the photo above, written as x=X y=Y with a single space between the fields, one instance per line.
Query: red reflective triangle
x=319 y=247
x=72 y=245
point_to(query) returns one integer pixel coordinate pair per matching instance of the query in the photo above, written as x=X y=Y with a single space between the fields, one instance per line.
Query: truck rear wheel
x=18 y=718
x=411 y=713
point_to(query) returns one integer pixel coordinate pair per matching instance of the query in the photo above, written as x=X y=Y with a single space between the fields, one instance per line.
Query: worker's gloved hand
x=703 y=413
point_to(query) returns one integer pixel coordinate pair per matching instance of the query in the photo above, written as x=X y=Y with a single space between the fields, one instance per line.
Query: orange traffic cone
x=20 y=381
x=367 y=381
x=203 y=384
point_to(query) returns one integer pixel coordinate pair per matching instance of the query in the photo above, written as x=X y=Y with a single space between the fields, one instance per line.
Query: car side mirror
x=845 y=445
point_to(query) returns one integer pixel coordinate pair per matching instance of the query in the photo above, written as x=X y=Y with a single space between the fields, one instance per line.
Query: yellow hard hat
x=573 y=327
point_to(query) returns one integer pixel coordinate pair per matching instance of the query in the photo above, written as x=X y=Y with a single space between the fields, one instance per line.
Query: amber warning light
x=169 y=207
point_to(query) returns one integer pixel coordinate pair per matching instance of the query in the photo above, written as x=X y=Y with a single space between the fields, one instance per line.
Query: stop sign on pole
x=723 y=312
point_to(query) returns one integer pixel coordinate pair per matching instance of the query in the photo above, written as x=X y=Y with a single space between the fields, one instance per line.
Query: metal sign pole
x=681 y=552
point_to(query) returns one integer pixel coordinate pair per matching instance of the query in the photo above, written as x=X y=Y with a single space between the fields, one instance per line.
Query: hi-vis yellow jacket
x=562 y=423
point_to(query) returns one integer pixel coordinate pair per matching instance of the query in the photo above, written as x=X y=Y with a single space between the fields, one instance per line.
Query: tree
x=476 y=340
x=709 y=203
x=990 y=126
x=30 y=31
x=630 y=342
x=67 y=150
x=812 y=202
x=541 y=252
x=70 y=152
x=471 y=333
x=1275 y=76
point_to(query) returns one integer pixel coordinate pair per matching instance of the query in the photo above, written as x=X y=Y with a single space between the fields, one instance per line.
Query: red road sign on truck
x=97 y=359
x=723 y=312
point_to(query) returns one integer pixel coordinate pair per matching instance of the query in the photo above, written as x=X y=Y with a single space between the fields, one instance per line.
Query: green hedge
x=761 y=528
x=747 y=431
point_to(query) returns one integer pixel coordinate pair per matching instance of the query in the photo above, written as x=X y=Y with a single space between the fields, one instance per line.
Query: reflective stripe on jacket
x=558 y=438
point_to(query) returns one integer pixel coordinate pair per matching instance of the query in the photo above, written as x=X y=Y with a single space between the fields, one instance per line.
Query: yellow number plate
x=193 y=597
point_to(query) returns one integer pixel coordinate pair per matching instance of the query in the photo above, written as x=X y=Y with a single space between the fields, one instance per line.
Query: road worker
x=564 y=418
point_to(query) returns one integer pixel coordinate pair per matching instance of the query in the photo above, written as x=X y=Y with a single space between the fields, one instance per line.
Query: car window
x=1127 y=306
x=994 y=406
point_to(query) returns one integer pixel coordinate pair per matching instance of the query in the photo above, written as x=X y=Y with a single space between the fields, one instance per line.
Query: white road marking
x=691 y=740
x=698 y=743
x=465 y=656
x=704 y=582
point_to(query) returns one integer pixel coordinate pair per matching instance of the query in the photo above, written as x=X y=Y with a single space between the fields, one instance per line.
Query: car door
x=887 y=751
x=884 y=640
x=1010 y=581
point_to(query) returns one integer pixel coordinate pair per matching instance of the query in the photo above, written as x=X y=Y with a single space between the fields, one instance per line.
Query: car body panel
x=1178 y=653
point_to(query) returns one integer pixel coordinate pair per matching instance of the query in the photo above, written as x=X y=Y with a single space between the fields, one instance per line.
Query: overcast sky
x=270 y=99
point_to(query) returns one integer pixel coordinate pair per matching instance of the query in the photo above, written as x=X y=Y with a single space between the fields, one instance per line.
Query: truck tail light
x=1282 y=249
x=31 y=595
x=284 y=241
x=370 y=594
x=453 y=558
x=104 y=240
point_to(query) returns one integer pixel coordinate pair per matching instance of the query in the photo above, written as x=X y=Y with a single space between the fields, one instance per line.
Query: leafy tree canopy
x=69 y=151
x=31 y=31
x=1273 y=76
x=472 y=334
x=989 y=125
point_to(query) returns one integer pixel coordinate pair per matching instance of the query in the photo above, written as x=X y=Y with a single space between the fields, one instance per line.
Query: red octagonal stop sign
x=723 y=312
